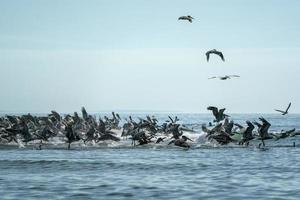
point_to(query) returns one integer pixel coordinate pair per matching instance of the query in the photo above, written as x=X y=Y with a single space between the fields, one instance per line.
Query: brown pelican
x=181 y=142
x=214 y=51
x=108 y=136
x=286 y=110
x=247 y=134
x=221 y=137
x=84 y=113
x=284 y=134
x=70 y=135
x=219 y=114
x=188 y=17
x=224 y=77
x=228 y=125
x=160 y=139
x=263 y=129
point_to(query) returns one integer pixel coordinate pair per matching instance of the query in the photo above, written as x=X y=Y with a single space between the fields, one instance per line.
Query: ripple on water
x=141 y=173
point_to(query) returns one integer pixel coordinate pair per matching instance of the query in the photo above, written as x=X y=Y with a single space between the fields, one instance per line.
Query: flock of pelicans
x=42 y=130
x=28 y=129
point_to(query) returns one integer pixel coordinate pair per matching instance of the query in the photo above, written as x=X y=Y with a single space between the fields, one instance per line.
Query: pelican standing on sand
x=188 y=17
x=214 y=51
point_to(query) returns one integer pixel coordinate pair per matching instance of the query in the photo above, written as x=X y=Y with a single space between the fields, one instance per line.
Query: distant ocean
x=158 y=171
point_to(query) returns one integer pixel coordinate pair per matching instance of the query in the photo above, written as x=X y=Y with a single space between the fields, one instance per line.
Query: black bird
x=108 y=136
x=181 y=142
x=247 y=134
x=224 y=77
x=84 y=113
x=286 y=110
x=263 y=129
x=188 y=17
x=214 y=51
x=219 y=114
x=118 y=116
x=160 y=139
x=70 y=135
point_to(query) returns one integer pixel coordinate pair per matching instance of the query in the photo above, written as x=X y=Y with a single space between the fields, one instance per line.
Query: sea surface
x=158 y=171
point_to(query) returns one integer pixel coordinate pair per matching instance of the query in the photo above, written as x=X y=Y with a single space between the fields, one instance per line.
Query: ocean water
x=158 y=171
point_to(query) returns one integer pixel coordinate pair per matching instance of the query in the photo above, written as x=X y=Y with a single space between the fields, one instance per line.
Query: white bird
x=188 y=17
x=224 y=77
x=286 y=110
x=214 y=51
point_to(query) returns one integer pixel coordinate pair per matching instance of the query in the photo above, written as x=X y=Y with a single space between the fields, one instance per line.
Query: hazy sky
x=136 y=55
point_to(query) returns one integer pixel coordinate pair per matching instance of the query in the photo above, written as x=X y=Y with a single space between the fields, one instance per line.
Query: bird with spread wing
x=214 y=51
x=224 y=77
x=286 y=110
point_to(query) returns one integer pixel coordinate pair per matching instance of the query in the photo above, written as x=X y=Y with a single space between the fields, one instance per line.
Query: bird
x=286 y=110
x=214 y=51
x=224 y=77
x=219 y=114
x=181 y=142
x=263 y=129
x=188 y=17
x=160 y=139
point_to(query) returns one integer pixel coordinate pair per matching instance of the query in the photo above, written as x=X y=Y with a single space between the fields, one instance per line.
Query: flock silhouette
x=26 y=130
x=89 y=130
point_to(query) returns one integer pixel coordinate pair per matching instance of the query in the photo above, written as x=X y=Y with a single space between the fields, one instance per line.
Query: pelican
x=188 y=17
x=181 y=142
x=214 y=51
x=286 y=110
x=224 y=77
x=247 y=134
x=160 y=139
x=219 y=114
x=263 y=129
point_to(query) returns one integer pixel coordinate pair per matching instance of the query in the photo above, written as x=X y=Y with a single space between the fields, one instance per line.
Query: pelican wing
x=183 y=18
x=212 y=77
x=250 y=124
x=280 y=111
x=207 y=56
x=264 y=121
x=257 y=124
x=288 y=107
x=171 y=119
x=221 y=55
x=84 y=113
x=238 y=125
x=214 y=110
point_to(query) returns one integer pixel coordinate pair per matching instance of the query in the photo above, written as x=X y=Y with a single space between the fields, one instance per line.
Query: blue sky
x=136 y=55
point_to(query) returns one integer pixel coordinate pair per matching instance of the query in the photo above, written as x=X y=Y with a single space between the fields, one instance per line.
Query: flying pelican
x=286 y=111
x=214 y=51
x=224 y=77
x=188 y=17
x=219 y=114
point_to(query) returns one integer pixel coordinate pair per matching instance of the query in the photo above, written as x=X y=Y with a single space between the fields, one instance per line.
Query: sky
x=136 y=56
